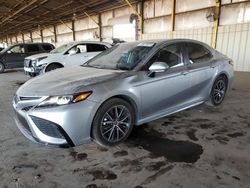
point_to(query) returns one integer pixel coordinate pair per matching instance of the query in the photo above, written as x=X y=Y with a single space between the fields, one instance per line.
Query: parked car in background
x=126 y=85
x=74 y=53
x=1 y=49
x=13 y=56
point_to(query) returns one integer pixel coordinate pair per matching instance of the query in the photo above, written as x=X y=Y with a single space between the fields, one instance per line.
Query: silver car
x=126 y=85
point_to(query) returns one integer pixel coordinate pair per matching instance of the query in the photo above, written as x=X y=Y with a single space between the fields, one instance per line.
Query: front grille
x=27 y=63
x=24 y=123
x=47 y=127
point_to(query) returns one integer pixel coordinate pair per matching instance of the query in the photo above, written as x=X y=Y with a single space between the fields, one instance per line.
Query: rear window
x=33 y=48
x=95 y=47
x=47 y=47
x=198 y=53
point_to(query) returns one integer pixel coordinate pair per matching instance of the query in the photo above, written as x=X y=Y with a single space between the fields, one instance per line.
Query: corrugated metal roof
x=25 y=15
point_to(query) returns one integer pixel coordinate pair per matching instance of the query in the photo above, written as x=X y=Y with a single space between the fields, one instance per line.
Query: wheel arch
x=53 y=63
x=124 y=97
x=225 y=75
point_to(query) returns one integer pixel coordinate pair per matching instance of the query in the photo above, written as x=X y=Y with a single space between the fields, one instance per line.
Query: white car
x=75 y=53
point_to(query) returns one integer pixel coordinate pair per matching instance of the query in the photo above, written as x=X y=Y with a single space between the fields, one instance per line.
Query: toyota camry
x=122 y=87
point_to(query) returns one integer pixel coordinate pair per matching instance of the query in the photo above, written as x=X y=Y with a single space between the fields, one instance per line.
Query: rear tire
x=53 y=67
x=218 y=91
x=2 y=68
x=113 y=122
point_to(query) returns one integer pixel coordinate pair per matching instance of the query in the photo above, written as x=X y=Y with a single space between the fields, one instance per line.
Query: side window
x=33 y=48
x=17 y=49
x=197 y=53
x=95 y=48
x=171 y=55
x=81 y=48
x=47 y=47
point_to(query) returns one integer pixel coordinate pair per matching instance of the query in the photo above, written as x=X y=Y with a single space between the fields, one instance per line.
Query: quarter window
x=47 y=47
x=197 y=53
x=171 y=55
x=96 y=47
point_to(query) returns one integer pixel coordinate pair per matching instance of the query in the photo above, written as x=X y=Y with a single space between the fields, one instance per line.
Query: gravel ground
x=200 y=147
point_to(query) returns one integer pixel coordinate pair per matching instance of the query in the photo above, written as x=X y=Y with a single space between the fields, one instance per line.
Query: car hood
x=65 y=81
x=36 y=56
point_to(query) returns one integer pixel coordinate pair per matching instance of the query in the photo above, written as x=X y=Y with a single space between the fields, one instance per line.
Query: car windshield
x=62 y=48
x=124 y=56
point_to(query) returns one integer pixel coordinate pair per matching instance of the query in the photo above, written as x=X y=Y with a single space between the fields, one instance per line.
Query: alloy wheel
x=116 y=123
x=219 y=91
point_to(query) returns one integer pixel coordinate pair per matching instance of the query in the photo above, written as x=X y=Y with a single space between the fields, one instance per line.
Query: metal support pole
x=41 y=35
x=216 y=22
x=73 y=30
x=16 y=38
x=11 y=40
x=7 y=40
x=55 y=36
x=139 y=17
x=173 y=17
x=23 y=37
x=31 y=38
x=100 y=27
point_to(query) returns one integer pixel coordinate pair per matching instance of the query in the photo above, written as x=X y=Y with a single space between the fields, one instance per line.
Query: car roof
x=33 y=43
x=89 y=42
x=169 y=41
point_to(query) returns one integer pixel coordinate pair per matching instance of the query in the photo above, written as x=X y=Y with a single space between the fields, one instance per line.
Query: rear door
x=200 y=71
x=32 y=49
x=47 y=47
x=14 y=58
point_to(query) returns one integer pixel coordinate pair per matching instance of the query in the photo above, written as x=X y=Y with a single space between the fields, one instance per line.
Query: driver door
x=164 y=92
x=78 y=57
x=14 y=57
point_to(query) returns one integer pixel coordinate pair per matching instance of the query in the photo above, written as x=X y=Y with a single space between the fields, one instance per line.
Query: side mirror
x=158 y=67
x=72 y=52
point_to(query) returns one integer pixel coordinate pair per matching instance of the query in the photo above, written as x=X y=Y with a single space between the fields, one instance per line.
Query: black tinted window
x=197 y=53
x=95 y=48
x=33 y=48
x=47 y=47
x=171 y=55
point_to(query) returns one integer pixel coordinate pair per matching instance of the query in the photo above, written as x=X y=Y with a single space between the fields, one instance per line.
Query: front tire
x=113 y=122
x=2 y=68
x=53 y=67
x=218 y=91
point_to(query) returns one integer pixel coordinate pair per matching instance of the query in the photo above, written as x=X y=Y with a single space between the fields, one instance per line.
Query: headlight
x=33 y=62
x=63 y=100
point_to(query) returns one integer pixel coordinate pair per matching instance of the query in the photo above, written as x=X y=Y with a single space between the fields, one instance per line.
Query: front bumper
x=31 y=71
x=64 y=126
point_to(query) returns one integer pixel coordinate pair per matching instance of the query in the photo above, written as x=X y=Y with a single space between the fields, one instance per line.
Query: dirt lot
x=196 y=148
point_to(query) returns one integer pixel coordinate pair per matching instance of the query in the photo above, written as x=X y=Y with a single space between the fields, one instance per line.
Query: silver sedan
x=127 y=85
